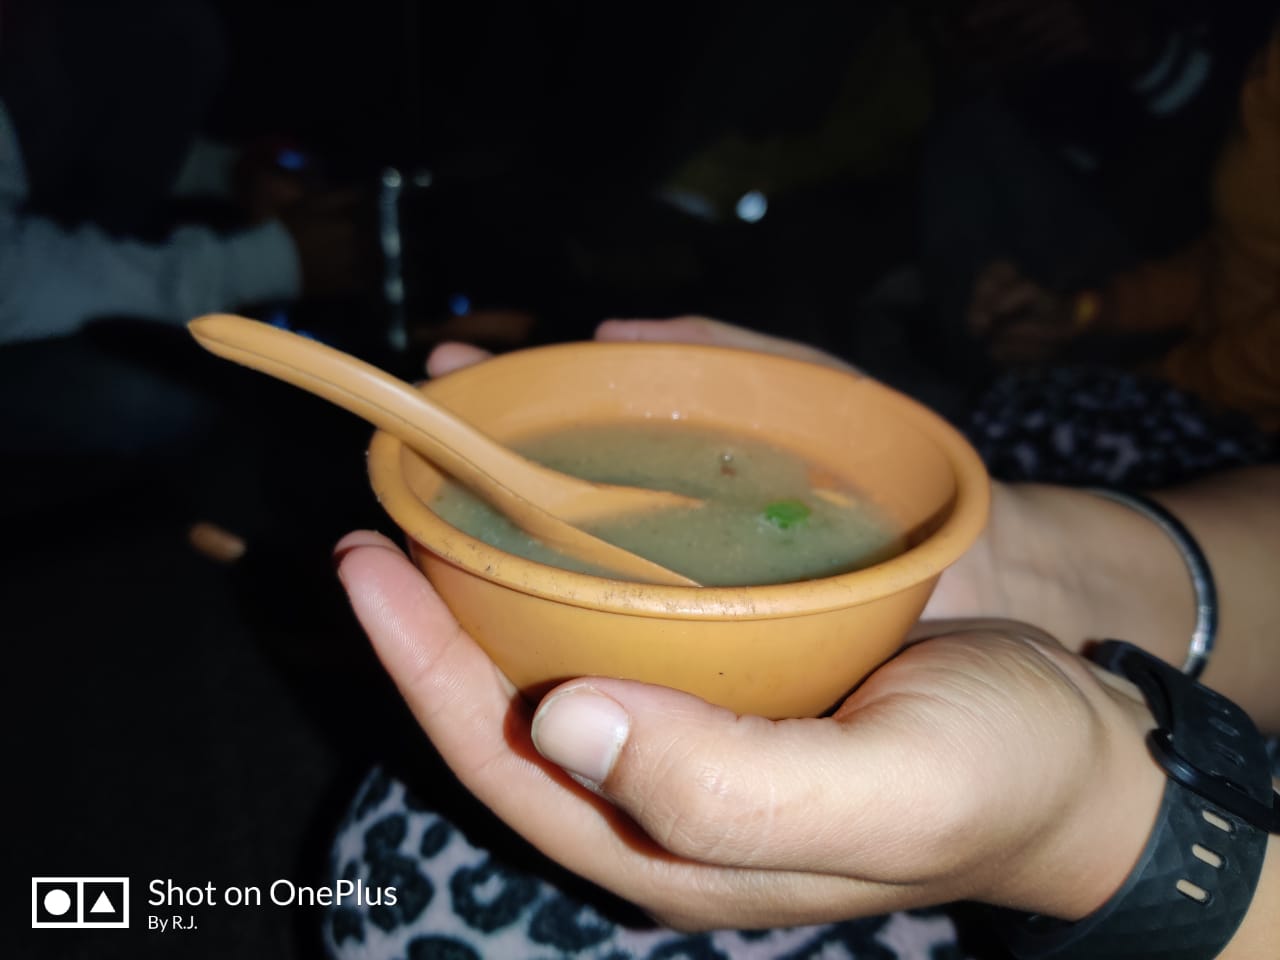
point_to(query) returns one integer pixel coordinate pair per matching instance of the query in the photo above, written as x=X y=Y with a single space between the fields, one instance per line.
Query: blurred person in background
x=1070 y=233
x=1219 y=296
x=101 y=103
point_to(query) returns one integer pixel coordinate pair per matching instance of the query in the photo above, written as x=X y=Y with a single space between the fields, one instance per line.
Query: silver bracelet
x=1206 y=629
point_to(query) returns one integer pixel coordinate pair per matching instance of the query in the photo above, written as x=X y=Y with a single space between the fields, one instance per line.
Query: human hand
x=1021 y=321
x=334 y=233
x=687 y=329
x=716 y=333
x=990 y=765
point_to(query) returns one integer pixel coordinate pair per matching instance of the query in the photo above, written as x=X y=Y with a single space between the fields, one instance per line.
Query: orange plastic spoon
x=542 y=502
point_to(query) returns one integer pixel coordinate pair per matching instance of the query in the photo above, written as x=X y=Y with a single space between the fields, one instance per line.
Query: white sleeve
x=54 y=279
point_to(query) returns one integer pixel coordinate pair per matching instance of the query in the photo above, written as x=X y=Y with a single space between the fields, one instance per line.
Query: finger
x=688 y=329
x=704 y=330
x=413 y=632
x=714 y=787
x=470 y=711
x=448 y=357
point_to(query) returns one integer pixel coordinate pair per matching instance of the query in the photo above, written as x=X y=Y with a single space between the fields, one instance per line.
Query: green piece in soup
x=785 y=514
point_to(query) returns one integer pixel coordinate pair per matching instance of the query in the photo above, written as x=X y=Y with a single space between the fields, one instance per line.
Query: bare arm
x=1086 y=568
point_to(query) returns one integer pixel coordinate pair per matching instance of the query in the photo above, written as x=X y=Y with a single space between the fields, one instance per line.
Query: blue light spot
x=278 y=318
x=459 y=305
x=752 y=206
x=293 y=160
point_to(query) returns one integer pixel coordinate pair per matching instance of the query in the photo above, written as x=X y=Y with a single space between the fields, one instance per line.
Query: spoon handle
x=385 y=401
x=396 y=407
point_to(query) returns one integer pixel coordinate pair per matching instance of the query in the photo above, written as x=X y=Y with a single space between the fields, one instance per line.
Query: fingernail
x=582 y=731
x=357 y=538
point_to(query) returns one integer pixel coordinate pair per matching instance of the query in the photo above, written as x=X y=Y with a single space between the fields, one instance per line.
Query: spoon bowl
x=542 y=502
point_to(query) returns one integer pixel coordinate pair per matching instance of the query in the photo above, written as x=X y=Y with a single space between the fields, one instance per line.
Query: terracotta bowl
x=783 y=650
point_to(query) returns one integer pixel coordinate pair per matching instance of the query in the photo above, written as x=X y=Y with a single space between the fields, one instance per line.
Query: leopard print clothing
x=455 y=901
x=1084 y=426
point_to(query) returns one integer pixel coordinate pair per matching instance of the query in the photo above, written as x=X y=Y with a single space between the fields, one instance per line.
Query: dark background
x=170 y=717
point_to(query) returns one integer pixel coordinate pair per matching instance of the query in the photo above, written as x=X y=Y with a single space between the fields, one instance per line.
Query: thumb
x=718 y=788
x=451 y=356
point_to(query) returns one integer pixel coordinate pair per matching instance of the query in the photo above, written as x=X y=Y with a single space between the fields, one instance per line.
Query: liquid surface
x=769 y=517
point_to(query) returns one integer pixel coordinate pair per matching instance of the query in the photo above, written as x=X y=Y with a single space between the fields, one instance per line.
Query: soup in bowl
x=842 y=444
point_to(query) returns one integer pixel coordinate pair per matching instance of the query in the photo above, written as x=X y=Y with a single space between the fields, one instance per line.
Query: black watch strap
x=1193 y=884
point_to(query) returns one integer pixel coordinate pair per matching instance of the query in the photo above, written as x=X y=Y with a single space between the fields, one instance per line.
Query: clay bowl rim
x=926 y=559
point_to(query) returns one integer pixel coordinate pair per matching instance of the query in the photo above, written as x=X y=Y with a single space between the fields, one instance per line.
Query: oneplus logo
x=79 y=902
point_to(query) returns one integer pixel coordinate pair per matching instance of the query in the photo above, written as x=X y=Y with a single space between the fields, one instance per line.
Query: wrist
x=1026 y=566
x=986 y=579
x=1077 y=565
x=1090 y=844
x=1195 y=882
x=1115 y=820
